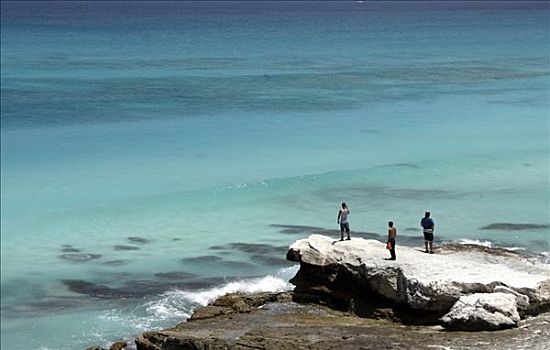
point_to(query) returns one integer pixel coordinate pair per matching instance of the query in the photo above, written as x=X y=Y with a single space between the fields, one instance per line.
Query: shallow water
x=197 y=127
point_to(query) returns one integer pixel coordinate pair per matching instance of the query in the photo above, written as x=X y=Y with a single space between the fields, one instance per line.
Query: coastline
x=149 y=151
x=282 y=320
x=280 y=325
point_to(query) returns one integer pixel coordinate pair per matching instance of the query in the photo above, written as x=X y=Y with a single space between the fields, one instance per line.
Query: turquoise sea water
x=157 y=154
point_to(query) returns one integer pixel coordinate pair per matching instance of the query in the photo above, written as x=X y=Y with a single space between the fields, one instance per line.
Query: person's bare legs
x=431 y=247
x=426 y=245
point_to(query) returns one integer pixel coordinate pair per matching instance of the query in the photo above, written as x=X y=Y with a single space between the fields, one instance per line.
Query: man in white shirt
x=343 y=214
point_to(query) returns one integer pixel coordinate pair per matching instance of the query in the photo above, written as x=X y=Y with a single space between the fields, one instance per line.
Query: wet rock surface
x=119 y=345
x=269 y=321
x=237 y=303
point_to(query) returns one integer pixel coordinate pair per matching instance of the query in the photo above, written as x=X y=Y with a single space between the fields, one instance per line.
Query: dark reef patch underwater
x=514 y=227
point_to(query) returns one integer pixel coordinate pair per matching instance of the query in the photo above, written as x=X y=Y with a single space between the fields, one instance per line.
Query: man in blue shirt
x=428 y=228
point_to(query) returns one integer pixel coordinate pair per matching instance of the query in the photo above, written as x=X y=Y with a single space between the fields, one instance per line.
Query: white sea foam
x=180 y=303
x=486 y=244
x=176 y=306
x=476 y=242
x=276 y=283
x=169 y=306
x=513 y=249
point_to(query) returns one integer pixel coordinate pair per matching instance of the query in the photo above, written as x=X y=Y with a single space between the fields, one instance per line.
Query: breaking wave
x=486 y=244
x=178 y=305
x=476 y=242
x=181 y=303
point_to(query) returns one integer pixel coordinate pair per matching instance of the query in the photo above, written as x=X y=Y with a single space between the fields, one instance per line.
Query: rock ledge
x=419 y=287
x=284 y=325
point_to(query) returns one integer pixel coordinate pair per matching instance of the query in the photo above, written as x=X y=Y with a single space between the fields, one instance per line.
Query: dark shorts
x=428 y=236
x=344 y=227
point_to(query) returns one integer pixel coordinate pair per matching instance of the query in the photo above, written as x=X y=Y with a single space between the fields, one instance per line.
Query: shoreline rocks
x=280 y=324
x=482 y=312
x=118 y=345
x=224 y=310
x=418 y=288
x=348 y=297
x=237 y=303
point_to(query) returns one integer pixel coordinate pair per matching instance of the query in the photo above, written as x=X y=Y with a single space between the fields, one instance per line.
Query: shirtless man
x=343 y=214
x=392 y=233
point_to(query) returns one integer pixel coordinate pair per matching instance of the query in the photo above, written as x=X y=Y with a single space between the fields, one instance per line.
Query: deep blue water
x=195 y=125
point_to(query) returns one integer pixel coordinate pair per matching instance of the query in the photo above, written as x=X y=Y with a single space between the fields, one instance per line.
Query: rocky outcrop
x=225 y=308
x=281 y=325
x=482 y=312
x=460 y=287
x=522 y=301
x=119 y=345
x=418 y=287
x=237 y=303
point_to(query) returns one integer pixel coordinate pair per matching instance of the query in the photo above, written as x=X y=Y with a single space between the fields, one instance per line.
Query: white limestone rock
x=482 y=312
x=342 y=270
x=522 y=300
